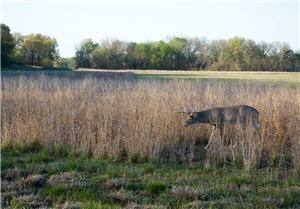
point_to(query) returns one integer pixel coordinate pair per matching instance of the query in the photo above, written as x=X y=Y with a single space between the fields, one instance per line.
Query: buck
x=220 y=116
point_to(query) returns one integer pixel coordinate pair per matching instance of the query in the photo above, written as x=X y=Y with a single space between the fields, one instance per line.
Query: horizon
x=269 y=21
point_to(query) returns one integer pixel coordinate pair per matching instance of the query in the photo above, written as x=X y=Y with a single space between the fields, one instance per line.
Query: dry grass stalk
x=113 y=117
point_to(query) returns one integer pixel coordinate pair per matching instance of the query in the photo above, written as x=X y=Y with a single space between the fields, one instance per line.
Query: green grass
x=115 y=184
x=156 y=187
x=278 y=77
x=227 y=76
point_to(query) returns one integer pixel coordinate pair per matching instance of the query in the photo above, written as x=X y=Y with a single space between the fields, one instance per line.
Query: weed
x=149 y=168
x=8 y=163
x=134 y=186
x=155 y=187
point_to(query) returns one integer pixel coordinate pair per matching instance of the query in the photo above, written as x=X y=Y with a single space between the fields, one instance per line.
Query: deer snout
x=186 y=124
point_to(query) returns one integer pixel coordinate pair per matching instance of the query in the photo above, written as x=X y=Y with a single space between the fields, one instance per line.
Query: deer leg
x=211 y=135
x=221 y=127
x=256 y=125
x=244 y=128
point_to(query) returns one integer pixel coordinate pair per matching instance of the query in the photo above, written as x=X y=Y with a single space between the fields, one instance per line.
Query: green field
x=288 y=77
x=33 y=177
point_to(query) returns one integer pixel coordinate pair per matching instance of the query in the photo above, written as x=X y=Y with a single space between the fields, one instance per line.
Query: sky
x=71 y=21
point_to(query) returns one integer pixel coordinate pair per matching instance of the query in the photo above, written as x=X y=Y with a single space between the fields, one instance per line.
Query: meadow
x=117 y=139
x=254 y=76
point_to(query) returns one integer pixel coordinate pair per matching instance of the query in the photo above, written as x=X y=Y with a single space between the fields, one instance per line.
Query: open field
x=108 y=139
x=286 y=77
x=275 y=77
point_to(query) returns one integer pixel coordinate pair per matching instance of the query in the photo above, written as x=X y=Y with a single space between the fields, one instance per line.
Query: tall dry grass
x=128 y=117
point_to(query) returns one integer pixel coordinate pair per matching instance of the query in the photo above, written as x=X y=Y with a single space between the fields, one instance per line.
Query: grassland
x=34 y=177
x=112 y=140
x=285 y=77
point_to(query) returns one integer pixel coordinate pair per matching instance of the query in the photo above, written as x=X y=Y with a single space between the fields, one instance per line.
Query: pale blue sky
x=71 y=21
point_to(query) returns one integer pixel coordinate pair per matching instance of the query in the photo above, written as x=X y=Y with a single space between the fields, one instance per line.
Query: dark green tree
x=7 y=45
x=83 y=53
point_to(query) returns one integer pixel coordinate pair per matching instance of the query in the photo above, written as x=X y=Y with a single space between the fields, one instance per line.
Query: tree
x=287 y=59
x=160 y=55
x=39 y=50
x=252 y=56
x=130 y=59
x=17 y=54
x=65 y=62
x=116 y=53
x=297 y=61
x=198 y=53
x=99 y=58
x=178 y=46
x=182 y=54
x=7 y=45
x=83 y=53
x=142 y=55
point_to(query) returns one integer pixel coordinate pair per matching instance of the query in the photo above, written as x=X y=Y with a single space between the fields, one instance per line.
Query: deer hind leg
x=244 y=129
x=211 y=135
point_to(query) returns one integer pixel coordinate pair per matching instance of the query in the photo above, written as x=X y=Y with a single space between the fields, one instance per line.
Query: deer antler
x=188 y=110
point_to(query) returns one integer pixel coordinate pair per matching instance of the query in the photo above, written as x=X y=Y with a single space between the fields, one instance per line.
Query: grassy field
x=286 y=77
x=33 y=177
x=113 y=140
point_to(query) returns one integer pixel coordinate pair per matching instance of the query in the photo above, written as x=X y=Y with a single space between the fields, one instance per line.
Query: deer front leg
x=211 y=135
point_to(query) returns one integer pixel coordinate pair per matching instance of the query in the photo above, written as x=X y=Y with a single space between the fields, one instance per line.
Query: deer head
x=192 y=119
x=190 y=111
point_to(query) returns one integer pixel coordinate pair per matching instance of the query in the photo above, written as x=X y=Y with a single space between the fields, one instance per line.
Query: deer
x=220 y=116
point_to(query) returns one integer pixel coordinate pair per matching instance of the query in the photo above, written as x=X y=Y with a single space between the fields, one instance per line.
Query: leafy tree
x=130 y=59
x=83 y=53
x=178 y=47
x=180 y=53
x=100 y=58
x=39 y=50
x=197 y=53
x=252 y=56
x=7 y=45
x=116 y=53
x=17 y=55
x=161 y=56
x=65 y=62
x=142 y=54
x=287 y=59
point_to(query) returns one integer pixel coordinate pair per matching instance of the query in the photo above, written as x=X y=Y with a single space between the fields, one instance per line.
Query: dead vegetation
x=136 y=119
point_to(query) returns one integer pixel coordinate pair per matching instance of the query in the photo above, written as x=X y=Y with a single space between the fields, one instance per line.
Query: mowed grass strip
x=286 y=77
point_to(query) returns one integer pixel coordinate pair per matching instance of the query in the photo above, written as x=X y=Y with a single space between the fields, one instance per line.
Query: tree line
x=32 y=49
x=176 y=53
x=187 y=54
